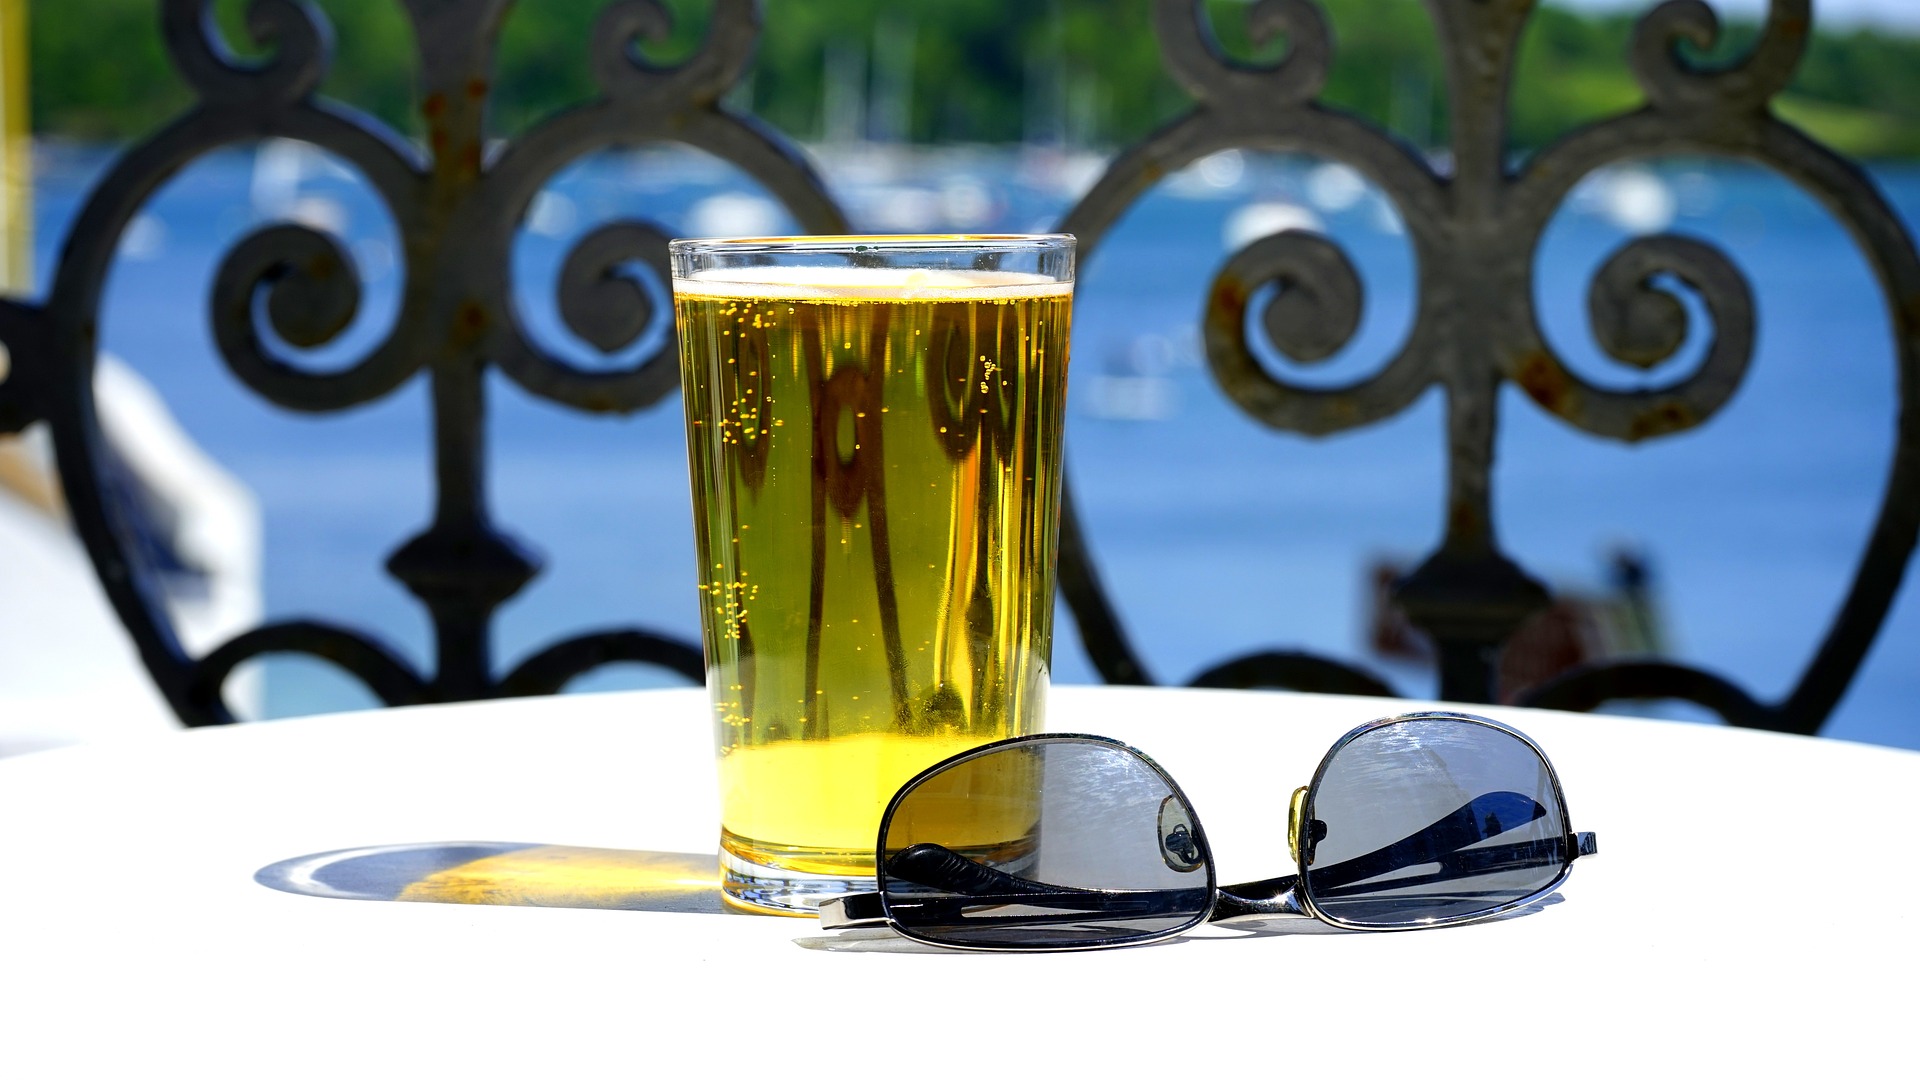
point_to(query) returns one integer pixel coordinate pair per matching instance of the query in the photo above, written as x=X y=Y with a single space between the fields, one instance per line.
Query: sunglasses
x=1053 y=842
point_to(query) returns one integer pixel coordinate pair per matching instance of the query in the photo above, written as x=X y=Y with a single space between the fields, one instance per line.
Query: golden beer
x=875 y=458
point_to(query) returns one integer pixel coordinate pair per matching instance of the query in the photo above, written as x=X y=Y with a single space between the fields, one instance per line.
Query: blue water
x=1215 y=534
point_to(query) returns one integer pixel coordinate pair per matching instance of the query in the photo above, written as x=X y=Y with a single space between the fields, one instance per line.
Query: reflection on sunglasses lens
x=1432 y=819
x=1049 y=843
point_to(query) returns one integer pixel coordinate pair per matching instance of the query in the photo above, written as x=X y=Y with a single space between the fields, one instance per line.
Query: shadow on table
x=550 y=875
x=881 y=939
x=523 y=875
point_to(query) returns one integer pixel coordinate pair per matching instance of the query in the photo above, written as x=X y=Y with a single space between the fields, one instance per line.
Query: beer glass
x=873 y=434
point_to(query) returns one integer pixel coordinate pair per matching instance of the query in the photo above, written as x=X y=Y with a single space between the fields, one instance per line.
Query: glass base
x=766 y=890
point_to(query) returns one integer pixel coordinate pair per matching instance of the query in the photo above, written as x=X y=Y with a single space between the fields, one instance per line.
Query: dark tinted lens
x=1425 y=820
x=1044 y=844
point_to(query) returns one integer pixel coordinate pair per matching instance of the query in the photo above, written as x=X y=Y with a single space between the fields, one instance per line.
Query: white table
x=1748 y=914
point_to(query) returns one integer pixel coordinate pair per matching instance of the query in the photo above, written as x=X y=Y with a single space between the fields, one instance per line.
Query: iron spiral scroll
x=456 y=205
x=1474 y=227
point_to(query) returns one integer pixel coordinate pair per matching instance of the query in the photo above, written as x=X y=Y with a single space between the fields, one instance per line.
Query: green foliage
x=1085 y=71
x=85 y=90
x=1571 y=71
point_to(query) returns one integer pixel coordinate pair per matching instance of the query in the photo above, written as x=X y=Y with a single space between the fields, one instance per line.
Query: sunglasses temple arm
x=848 y=912
x=929 y=864
x=1478 y=819
x=1280 y=896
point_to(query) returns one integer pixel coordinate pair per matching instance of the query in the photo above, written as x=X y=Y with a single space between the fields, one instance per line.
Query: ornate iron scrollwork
x=456 y=208
x=1475 y=228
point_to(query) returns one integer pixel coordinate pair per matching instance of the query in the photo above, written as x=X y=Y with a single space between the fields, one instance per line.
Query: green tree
x=1088 y=71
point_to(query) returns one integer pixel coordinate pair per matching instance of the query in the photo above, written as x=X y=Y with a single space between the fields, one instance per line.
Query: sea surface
x=1215 y=534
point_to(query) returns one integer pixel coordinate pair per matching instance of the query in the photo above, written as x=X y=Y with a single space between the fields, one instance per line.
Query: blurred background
x=1728 y=547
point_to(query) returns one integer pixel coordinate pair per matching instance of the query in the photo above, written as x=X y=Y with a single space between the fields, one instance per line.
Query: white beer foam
x=866 y=282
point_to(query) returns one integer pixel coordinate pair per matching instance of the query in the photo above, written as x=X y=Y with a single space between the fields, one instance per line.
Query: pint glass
x=873 y=431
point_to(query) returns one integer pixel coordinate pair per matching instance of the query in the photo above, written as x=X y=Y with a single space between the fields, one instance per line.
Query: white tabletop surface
x=1748 y=914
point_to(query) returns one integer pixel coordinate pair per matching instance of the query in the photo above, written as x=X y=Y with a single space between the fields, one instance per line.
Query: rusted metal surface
x=1474 y=225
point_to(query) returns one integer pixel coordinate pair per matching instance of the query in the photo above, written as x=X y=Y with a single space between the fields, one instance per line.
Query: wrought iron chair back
x=1473 y=224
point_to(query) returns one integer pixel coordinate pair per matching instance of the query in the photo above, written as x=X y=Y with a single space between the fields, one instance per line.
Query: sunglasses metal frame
x=1287 y=896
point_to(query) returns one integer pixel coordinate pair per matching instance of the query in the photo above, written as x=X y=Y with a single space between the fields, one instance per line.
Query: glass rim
x=861 y=243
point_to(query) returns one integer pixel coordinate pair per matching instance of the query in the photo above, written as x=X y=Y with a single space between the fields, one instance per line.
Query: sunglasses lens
x=1429 y=820
x=1044 y=844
